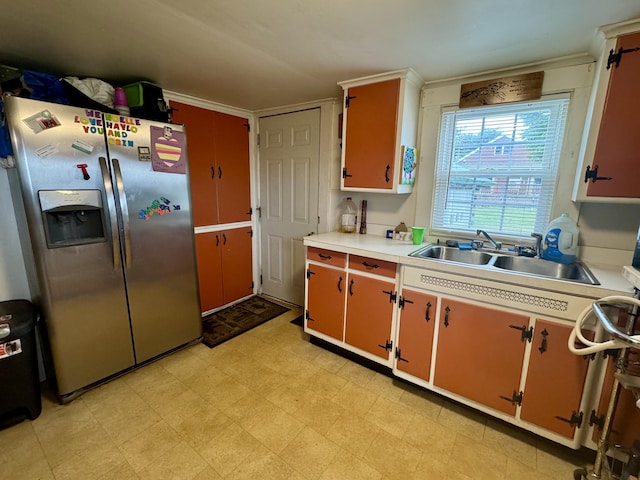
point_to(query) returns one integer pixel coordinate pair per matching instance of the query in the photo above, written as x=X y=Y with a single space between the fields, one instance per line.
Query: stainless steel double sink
x=572 y=272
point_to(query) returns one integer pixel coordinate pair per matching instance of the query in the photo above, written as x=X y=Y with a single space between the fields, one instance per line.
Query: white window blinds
x=496 y=167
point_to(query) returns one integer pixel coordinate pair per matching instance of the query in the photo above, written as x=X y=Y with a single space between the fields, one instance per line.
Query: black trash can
x=19 y=378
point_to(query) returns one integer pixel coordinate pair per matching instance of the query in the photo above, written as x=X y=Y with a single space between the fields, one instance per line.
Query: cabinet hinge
x=345 y=174
x=250 y=232
x=248 y=126
x=615 y=57
x=347 y=100
x=525 y=334
x=515 y=399
x=592 y=174
x=307 y=316
x=252 y=284
x=393 y=296
x=399 y=356
x=594 y=419
x=309 y=273
x=402 y=301
x=388 y=346
x=574 y=421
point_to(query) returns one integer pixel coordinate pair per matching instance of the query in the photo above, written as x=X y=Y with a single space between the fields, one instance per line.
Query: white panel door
x=289 y=151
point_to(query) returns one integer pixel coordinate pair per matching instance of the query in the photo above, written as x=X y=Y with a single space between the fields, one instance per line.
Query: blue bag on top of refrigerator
x=5 y=142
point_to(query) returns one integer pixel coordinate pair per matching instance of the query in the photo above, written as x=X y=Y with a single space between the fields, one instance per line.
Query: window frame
x=439 y=229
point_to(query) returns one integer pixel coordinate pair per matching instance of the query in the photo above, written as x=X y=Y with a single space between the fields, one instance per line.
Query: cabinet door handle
x=370 y=265
x=543 y=345
x=446 y=316
x=427 y=316
x=386 y=174
x=351 y=287
x=340 y=284
x=219 y=172
x=217 y=241
x=213 y=172
x=224 y=239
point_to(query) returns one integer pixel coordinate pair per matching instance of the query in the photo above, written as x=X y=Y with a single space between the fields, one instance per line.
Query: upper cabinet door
x=232 y=162
x=370 y=140
x=198 y=124
x=379 y=127
x=610 y=148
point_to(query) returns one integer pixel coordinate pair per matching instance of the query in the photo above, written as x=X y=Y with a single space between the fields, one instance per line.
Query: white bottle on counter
x=560 y=242
x=348 y=216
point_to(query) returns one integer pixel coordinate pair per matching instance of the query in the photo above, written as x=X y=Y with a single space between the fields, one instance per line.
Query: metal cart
x=623 y=337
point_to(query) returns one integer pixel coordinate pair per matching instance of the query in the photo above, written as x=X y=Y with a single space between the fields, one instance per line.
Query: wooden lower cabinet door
x=369 y=313
x=555 y=380
x=480 y=353
x=626 y=421
x=237 y=275
x=326 y=289
x=415 y=336
x=209 y=270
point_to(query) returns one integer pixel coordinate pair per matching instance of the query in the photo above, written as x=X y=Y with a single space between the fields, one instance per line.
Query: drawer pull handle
x=324 y=257
x=370 y=265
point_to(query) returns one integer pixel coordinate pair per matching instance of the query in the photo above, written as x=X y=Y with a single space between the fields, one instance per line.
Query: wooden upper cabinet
x=610 y=148
x=218 y=146
x=380 y=121
x=198 y=124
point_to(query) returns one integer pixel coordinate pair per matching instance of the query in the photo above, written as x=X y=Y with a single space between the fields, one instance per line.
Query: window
x=496 y=167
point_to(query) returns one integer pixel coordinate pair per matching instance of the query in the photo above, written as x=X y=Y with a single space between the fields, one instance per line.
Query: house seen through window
x=496 y=167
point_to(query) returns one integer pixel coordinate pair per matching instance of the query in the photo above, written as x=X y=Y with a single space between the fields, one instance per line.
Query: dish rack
x=622 y=337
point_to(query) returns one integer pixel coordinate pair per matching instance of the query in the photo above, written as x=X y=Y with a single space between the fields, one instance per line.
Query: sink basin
x=575 y=272
x=472 y=257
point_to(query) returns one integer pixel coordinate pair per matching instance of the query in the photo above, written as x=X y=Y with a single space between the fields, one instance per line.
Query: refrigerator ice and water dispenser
x=72 y=217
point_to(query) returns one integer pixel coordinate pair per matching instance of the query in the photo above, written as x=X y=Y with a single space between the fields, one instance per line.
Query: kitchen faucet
x=496 y=245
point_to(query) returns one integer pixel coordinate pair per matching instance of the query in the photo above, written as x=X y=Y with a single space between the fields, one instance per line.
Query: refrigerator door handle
x=108 y=187
x=124 y=210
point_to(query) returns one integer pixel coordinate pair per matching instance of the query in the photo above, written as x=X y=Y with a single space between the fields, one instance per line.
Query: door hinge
x=592 y=174
x=387 y=346
x=347 y=100
x=524 y=333
x=399 y=356
x=574 y=421
x=515 y=399
x=615 y=57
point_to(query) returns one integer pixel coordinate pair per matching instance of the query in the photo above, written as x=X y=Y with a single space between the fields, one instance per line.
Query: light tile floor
x=270 y=405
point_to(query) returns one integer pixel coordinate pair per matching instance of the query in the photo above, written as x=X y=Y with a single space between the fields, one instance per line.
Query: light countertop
x=612 y=281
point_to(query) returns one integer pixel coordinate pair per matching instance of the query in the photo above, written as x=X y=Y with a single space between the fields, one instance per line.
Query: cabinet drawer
x=371 y=265
x=330 y=257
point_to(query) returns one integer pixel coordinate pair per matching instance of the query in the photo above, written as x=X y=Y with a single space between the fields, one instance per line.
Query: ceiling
x=256 y=54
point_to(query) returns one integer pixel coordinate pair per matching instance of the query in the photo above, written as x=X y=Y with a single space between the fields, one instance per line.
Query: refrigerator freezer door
x=158 y=239
x=82 y=286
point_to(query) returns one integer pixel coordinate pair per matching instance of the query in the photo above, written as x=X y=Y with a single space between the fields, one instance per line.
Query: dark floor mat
x=236 y=319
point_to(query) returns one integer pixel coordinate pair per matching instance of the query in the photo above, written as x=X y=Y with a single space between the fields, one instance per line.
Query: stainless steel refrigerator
x=107 y=210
